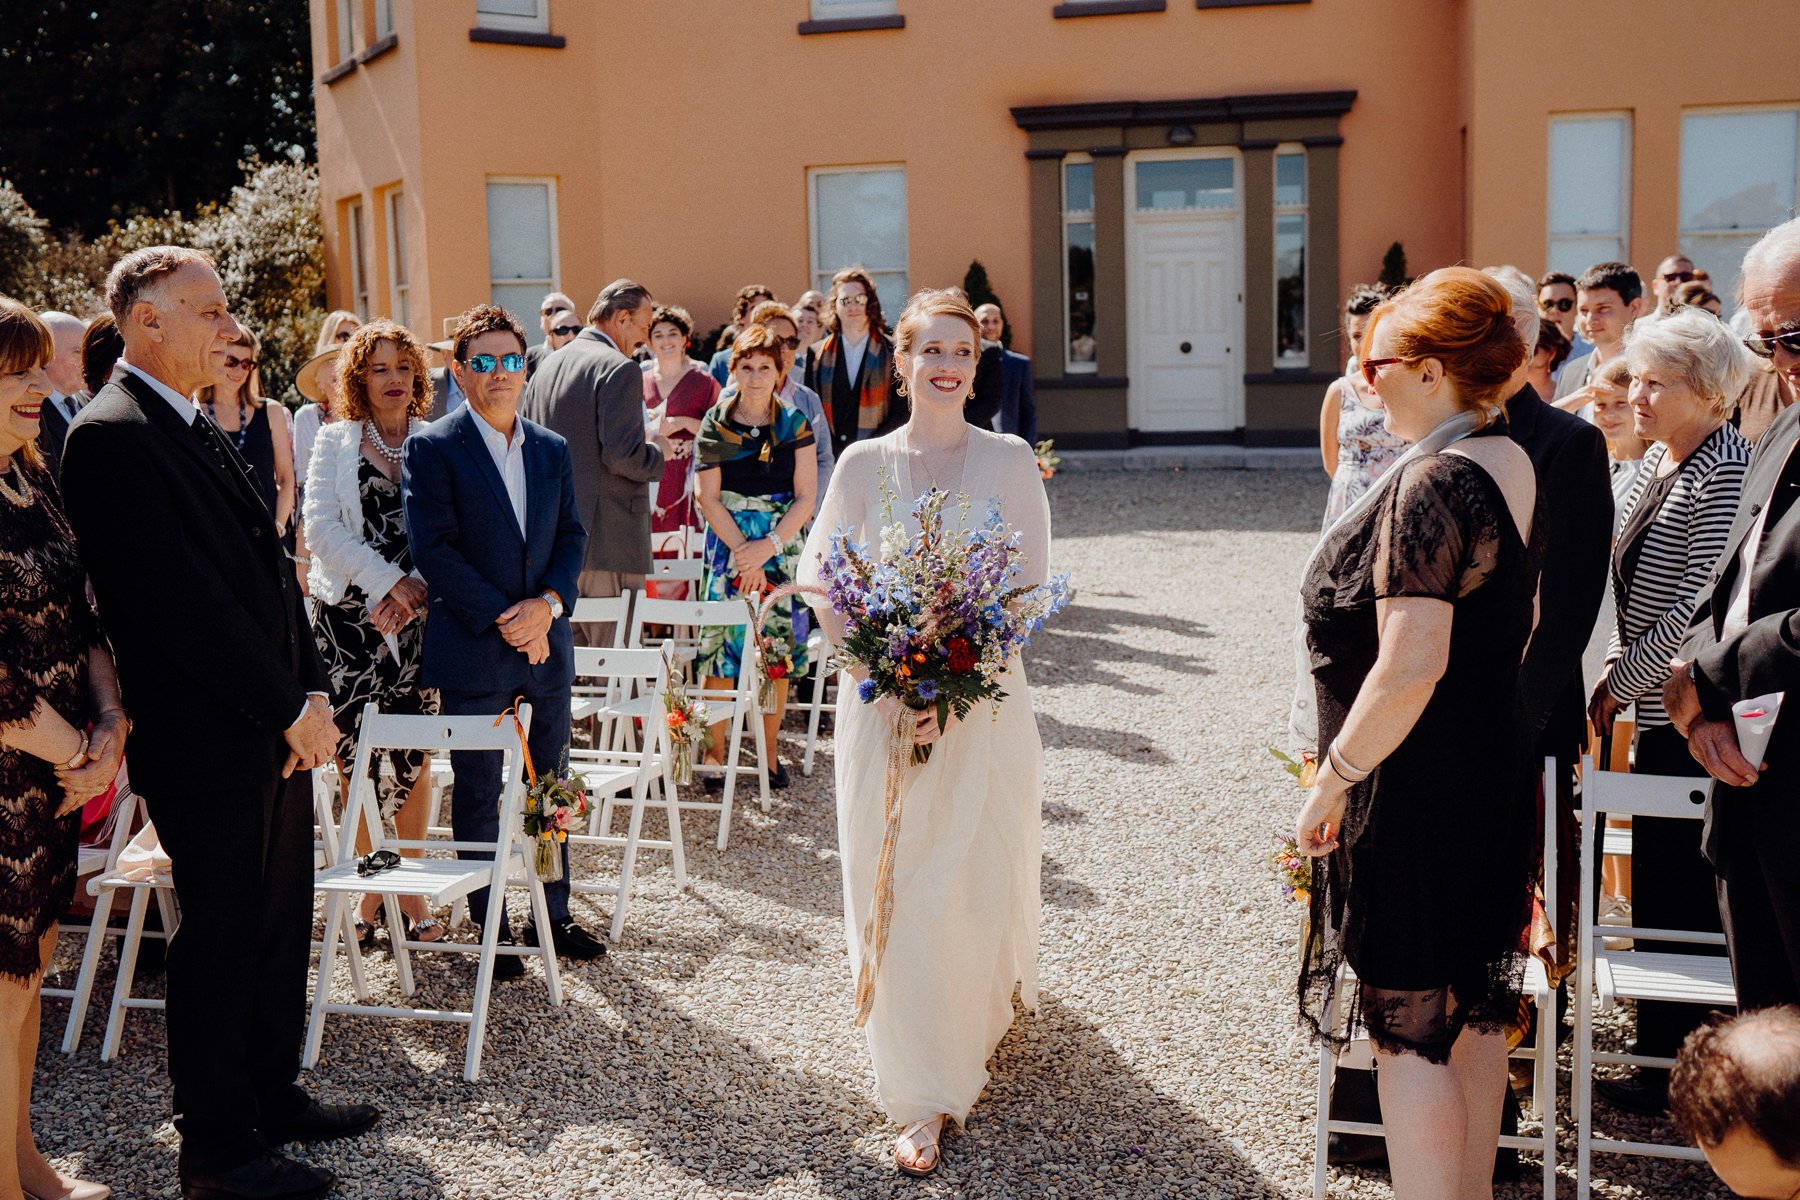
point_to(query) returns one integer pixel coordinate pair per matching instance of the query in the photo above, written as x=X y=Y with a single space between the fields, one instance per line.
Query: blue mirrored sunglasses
x=481 y=364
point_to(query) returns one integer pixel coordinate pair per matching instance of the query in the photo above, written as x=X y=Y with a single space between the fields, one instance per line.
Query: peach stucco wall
x=680 y=145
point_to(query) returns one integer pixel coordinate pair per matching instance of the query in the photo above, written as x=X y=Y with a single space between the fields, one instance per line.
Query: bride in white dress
x=966 y=877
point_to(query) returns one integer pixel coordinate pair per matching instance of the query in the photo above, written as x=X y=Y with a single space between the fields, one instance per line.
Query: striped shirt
x=1679 y=547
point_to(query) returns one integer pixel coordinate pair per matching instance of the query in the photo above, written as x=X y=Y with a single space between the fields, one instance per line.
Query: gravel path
x=712 y=1054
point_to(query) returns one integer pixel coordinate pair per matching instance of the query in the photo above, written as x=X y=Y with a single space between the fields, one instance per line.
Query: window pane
x=1080 y=240
x=1290 y=288
x=521 y=300
x=1078 y=187
x=508 y=8
x=397 y=232
x=384 y=17
x=1737 y=170
x=828 y=9
x=1290 y=179
x=1587 y=176
x=519 y=231
x=1576 y=254
x=1187 y=183
x=861 y=218
x=345 y=31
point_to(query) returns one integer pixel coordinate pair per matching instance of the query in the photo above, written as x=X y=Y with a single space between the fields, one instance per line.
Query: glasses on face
x=1371 y=367
x=343 y=335
x=566 y=330
x=376 y=862
x=1765 y=347
x=481 y=364
x=792 y=343
x=861 y=301
x=234 y=363
x=1677 y=276
x=1561 y=306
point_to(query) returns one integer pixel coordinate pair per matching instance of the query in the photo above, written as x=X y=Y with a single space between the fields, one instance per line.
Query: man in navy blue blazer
x=490 y=516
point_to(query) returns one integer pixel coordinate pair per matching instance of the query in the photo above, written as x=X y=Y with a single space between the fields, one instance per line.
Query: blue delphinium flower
x=927 y=689
x=865 y=691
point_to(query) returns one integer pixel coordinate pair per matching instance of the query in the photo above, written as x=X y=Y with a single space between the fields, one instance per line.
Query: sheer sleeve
x=843 y=507
x=1026 y=507
x=1439 y=535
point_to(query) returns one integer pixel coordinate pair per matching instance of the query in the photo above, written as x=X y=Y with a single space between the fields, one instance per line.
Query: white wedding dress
x=967 y=864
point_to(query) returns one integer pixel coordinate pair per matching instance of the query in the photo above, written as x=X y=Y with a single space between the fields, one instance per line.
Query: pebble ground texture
x=712 y=1054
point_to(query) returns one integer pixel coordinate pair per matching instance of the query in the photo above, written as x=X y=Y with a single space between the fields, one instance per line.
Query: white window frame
x=1623 y=233
x=344 y=31
x=843 y=10
x=821 y=274
x=399 y=279
x=1082 y=217
x=357 y=237
x=1691 y=242
x=534 y=24
x=1301 y=210
x=550 y=283
x=384 y=18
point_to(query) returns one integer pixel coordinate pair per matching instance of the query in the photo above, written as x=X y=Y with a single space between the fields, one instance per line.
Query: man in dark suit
x=555 y=312
x=64 y=370
x=1004 y=398
x=1745 y=642
x=219 y=672
x=491 y=519
x=592 y=393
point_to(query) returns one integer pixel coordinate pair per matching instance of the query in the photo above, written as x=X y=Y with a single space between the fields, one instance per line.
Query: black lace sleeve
x=18 y=698
x=1439 y=536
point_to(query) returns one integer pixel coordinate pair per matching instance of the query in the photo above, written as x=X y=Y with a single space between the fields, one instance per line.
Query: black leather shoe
x=267 y=1177
x=778 y=778
x=321 y=1123
x=1638 y=1096
x=570 y=940
x=508 y=966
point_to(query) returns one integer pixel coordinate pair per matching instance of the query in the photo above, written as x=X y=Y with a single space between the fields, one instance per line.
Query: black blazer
x=983 y=404
x=214 y=650
x=53 y=429
x=1765 y=657
x=1575 y=491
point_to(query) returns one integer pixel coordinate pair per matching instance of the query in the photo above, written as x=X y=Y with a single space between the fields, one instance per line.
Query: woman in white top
x=966 y=873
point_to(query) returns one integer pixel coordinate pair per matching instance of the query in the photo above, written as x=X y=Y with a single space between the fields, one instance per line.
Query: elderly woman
x=793 y=392
x=678 y=392
x=757 y=484
x=1418 y=604
x=1354 y=439
x=62 y=735
x=336 y=329
x=369 y=619
x=262 y=432
x=1686 y=371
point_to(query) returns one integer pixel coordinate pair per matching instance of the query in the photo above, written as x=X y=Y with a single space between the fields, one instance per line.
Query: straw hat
x=310 y=380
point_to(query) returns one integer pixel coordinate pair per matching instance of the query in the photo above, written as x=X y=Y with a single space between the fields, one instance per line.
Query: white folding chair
x=819 y=699
x=437 y=880
x=1605 y=977
x=1541 y=1050
x=677 y=570
x=737 y=707
x=135 y=865
x=631 y=777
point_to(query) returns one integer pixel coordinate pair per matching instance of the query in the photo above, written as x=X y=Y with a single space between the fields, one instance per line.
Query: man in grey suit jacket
x=592 y=393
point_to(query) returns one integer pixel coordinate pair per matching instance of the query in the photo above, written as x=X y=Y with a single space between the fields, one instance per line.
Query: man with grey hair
x=592 y=392
x=1744 y=642
x=554 y=309
x=64 y=370
x=220 y=675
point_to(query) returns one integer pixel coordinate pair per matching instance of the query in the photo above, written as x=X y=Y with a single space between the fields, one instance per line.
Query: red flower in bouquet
x=962 y=654
x=778 y=670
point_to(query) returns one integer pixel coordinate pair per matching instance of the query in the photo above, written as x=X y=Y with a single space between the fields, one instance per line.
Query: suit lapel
x=158 y=412
x=476 y=447
x=1777 y=444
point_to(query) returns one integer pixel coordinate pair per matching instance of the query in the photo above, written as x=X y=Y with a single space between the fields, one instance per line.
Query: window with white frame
x=525 y=16
x=828 y=10
x=384 y=18
x=1290 y=256
x=1740 y=177
x=1078 y=265
x=345 y=31
x=521 y=217
x=859 y=218
x=359 y=271
x=399 y=307
x=1589 y=203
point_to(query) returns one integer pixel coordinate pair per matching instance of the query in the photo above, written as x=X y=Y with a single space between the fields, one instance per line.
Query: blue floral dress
x=1365 y=450
x=756 y=485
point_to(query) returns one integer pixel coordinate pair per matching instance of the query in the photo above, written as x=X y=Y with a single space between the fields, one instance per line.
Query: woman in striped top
x=1686 y=371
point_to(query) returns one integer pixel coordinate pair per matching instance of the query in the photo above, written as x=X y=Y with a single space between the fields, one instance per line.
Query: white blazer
x=334 y=521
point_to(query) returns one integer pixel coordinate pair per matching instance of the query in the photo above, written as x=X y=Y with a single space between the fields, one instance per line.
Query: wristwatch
x=556 y=608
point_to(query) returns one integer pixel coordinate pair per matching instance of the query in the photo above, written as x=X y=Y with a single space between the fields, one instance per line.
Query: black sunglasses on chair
x=377 y=861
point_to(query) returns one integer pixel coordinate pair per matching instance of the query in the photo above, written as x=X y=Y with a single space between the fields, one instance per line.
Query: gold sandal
x=931 y=1147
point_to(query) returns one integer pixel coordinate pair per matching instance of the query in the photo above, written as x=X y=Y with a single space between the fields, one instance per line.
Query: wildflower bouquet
x=1048 y=460
x=774 y=657
x=936 y=618
x=553 y=805
x=686 y=718
x=1294 y=869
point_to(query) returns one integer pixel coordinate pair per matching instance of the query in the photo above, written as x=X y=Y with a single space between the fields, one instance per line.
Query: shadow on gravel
x=1062 y=891
x=1127 y=745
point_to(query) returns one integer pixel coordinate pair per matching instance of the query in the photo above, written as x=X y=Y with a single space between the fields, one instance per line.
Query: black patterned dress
x=46 y=627
x=358 y=660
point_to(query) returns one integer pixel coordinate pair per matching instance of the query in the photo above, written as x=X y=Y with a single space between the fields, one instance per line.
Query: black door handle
x=1186 y=347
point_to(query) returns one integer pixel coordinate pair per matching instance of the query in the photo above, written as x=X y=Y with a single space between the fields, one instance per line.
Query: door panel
x=1185 y=321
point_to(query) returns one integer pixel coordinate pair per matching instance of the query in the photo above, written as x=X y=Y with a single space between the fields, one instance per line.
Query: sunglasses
x=566 y=330
x=792 y=343
x=1556 y=305
x=1678 y=277
x=232 y=362
x=481 y=364
x=377 y=861
x=1371 y=367
x=1765 y=347
x=853 y=301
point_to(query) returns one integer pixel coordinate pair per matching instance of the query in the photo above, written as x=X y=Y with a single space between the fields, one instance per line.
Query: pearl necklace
x=391 y=453
x=23 y=496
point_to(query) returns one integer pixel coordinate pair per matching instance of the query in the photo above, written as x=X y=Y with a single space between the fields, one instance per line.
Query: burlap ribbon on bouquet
x=881 y=917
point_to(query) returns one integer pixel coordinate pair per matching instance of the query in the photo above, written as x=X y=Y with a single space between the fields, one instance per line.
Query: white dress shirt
x=64 y=405
x=509 y=458
x=853 y=356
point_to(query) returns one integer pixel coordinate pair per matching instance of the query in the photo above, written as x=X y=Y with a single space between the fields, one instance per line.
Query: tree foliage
x=119 y=107
x=975 y=284
x=1393 y=267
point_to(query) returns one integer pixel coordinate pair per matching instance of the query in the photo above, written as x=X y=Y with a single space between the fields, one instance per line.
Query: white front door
x=1186 y=299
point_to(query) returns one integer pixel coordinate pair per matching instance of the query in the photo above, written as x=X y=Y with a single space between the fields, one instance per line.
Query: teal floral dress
x=756 y=485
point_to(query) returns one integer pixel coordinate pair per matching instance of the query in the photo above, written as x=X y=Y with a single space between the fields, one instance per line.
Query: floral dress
x=1365 y=450
x=756 y=485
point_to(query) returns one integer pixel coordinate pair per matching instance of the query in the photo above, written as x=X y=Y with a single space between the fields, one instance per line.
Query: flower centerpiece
x=687 y=724
x=1292 y=868
x=1048 y=460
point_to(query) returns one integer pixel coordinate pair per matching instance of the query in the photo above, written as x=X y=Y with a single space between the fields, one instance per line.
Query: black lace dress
x=358 y=661
x=1429 y=892
x=46 y=627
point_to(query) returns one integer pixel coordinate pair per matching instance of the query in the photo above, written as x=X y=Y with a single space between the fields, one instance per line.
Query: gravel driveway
x=712 y=1053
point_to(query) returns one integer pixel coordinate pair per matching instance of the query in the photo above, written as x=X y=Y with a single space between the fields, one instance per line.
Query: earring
x=900 y=387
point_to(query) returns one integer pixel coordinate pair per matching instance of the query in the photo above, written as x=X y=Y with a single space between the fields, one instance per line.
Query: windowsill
x=518 y=37
x=1107 y=8
x=853 y=24
x=377 y=48
x=1294 y=374
x=338 y=72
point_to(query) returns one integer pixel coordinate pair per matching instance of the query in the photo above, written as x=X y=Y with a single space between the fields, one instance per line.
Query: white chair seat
x=1677 y=978
x=438 y=880
x=1617 y=842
